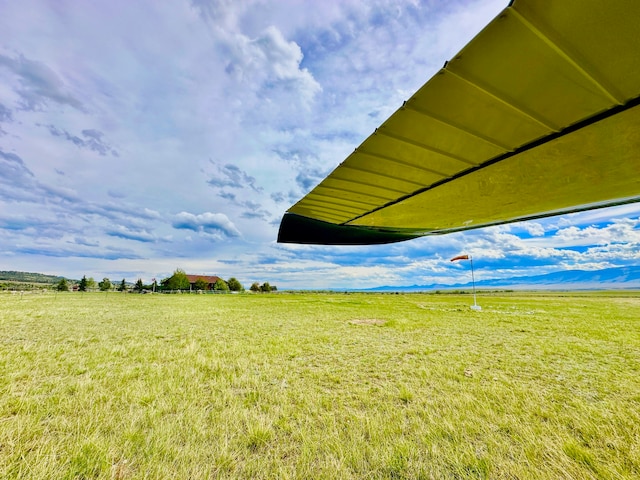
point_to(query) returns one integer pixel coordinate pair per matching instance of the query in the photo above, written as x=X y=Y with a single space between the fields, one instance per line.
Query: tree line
x=176 y=282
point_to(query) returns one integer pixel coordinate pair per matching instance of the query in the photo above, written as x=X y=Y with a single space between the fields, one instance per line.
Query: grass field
x=119 y=386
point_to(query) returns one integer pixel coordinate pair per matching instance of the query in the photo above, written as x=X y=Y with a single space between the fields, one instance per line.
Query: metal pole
x=473 y=283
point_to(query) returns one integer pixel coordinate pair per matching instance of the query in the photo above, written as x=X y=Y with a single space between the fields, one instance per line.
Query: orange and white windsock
x=460 y=257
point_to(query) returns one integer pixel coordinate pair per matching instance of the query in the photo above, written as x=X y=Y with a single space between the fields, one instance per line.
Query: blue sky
x=141 y=137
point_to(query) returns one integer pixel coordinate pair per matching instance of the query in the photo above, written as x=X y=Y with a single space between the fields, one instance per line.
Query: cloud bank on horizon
x=140 y=138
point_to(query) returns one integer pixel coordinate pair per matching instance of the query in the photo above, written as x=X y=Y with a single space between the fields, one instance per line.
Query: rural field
x=328 y=386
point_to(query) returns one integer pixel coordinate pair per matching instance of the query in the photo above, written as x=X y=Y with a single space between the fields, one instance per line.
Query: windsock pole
x=475 y=305
x=473 y=284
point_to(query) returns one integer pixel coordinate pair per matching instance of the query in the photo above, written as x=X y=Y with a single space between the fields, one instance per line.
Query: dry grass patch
x=368 y=321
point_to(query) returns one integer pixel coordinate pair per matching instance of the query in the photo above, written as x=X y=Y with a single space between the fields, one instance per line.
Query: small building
x=210 y=279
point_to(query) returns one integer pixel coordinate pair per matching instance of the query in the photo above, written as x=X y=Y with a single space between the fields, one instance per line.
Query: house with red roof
x=210 y=279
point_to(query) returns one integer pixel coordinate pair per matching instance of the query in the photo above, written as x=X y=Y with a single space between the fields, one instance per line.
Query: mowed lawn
x=125 y=386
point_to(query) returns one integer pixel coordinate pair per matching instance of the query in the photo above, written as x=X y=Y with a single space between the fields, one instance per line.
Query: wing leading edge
x=538 y=115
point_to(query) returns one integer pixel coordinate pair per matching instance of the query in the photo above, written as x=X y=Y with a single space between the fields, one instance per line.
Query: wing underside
x=538 y=115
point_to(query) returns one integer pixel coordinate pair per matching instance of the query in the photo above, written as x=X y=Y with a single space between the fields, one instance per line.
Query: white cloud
x=211 y=223
x=620 y=231
x=534 y=229
x=37 y=84
x=273 y=64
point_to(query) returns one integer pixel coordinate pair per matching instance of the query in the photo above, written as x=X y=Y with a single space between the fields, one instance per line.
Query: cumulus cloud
x=534 y=229
x=619 y=231
x=212 y=223
x=594 y=246
x=265 y=84
x=273 y=63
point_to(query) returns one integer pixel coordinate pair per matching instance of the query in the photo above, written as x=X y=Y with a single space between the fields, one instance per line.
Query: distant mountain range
x=606 y=279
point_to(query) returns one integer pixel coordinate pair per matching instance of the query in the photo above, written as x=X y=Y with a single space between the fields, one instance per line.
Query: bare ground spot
x=368 y=321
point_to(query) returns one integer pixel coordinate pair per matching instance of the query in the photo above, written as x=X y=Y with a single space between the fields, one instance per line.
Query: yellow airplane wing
x=538 y=115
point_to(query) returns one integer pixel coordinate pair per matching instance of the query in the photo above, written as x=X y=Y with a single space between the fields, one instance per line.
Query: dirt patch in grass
x=368 y=321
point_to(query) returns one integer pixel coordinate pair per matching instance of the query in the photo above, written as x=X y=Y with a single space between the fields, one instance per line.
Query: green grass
x=119 y=386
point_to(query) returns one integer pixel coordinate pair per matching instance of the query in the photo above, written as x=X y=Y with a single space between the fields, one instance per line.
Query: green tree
x=104 y=285
x=123 y=286
x=265 y=287
x=201 y=284
x=91 y=283
x=82 y=287
x=255 y=287
x=177 y=281
x=62 y=285
x=221 y=286
x=139 y=286
x=235 y=285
